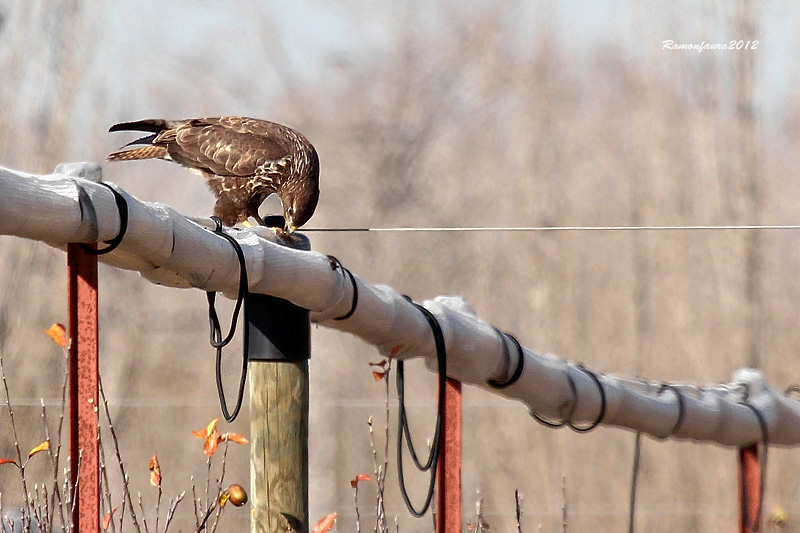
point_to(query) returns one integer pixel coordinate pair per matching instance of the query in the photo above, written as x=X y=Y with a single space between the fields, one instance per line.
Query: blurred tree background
x=445 y=113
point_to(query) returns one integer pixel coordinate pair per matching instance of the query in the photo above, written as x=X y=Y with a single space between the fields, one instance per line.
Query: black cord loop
x=403 y=433
x=122 y=207
x=681 y=407
x=601 y=414
x=216 y=331
x=574 y=390
x=763 y=481
x=520 y=362
x=354 y=303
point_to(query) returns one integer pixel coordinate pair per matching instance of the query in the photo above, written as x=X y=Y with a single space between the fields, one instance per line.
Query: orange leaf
x=5 y=461
x=223 y=498
x=211 y=443
x=382 y=363
x=40 y=448
x=107 y=518
x=378 y=375
x=396 y=350
x=234 y=437
x=360 y=477
x=58 y=334
x=206 y=431
x=155 y=471
x=325 y=525
x=211 y=436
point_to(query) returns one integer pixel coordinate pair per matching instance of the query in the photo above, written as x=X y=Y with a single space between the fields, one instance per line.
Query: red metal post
x=749 y=489
x=83 y=381
x=448 y=471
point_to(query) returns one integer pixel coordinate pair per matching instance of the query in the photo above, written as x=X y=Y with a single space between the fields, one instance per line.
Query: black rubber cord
x=403 y=433
x=216 y=331
x=520 y=362
x=574 y=390
x=601 y=412
x=335 y=263
x=122 y=207
x=681 y=407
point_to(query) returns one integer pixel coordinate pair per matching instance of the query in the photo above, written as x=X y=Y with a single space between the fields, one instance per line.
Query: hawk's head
x=298 y=207
x=300 y=193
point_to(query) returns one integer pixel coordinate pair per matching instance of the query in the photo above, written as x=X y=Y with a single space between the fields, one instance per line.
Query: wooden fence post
x=83 y=380
x=279 y=337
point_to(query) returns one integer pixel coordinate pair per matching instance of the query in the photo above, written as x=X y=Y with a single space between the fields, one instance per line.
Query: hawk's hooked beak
x=289 y=224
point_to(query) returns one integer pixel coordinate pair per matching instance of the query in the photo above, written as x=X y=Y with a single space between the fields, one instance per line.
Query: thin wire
x=562 y=228
x=637 y=450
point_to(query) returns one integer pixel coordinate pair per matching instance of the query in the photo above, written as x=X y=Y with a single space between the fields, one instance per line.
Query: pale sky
x=315 y=33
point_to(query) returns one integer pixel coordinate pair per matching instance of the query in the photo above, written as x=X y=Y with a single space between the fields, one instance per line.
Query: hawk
x=244 y=160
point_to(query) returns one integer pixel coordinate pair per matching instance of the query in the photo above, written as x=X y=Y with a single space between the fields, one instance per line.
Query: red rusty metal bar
x=83 y=380
x=749 y=489
x=448 y=471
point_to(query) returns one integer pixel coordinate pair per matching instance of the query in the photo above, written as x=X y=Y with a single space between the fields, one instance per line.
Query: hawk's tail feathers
x=147 y=139
x=146 y=152
x=152 y=125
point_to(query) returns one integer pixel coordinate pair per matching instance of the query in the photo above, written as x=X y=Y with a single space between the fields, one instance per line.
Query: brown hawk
x=244 y=160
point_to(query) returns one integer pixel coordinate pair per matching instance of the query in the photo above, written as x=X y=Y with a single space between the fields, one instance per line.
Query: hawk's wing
x=226 y=146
